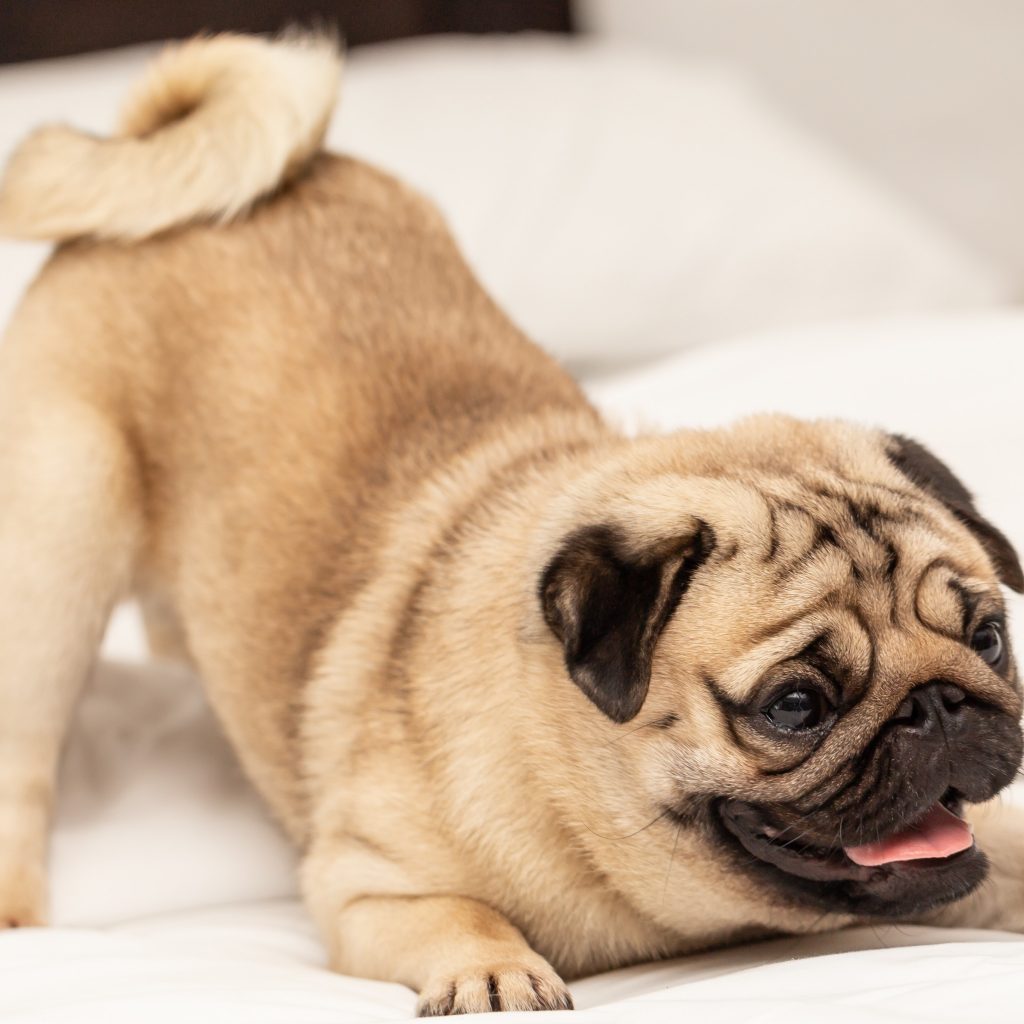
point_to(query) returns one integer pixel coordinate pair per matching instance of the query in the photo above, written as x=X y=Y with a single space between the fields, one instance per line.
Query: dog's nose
x=929 y=705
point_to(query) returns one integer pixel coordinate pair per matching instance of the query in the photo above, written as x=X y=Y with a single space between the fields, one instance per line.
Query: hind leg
x=69 y=530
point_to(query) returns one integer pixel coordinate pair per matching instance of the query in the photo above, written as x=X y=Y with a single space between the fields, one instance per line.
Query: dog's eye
x=987 y=642
x=801 y=709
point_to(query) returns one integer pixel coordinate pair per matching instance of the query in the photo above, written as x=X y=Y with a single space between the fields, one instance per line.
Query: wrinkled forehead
x=873 y=527
x=862 y=578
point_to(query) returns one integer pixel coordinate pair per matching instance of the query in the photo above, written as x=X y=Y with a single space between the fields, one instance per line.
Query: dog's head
x=795 y=636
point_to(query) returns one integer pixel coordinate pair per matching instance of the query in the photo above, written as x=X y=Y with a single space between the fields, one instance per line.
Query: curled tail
x=216 y=123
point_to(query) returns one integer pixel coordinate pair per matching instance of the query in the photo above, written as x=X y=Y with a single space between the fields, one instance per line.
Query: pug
x=534 y=699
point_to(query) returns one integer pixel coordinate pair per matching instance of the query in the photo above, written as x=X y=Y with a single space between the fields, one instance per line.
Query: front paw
x=506 y=985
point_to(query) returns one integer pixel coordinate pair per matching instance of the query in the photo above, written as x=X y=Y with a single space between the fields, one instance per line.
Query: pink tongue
x=940 y=833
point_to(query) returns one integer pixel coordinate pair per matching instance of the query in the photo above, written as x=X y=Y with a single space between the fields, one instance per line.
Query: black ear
x=608 y=607
x=932 y=475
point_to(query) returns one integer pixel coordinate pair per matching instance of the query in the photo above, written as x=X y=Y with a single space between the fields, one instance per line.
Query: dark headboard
x=31 y=29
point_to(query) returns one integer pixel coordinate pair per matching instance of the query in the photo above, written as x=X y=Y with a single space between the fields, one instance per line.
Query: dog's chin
x=826 y=879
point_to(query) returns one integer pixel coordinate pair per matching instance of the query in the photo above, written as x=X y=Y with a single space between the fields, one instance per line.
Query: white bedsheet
x=261 y=964
x=175 y=895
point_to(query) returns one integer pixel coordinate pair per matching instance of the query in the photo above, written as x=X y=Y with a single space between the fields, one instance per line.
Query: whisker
x=633 y=732
x=795 y=839
x=643 y=828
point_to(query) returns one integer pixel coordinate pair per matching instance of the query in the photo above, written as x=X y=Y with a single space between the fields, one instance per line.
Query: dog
x=534 y=699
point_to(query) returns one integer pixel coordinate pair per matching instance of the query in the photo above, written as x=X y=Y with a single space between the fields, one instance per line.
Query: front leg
x=998 y=903
x=459 y=954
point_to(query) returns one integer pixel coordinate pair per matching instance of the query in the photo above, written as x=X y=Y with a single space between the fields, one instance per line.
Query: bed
x=695 y=259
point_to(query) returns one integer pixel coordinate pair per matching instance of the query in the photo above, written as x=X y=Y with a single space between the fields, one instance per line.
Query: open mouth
x=928 y=862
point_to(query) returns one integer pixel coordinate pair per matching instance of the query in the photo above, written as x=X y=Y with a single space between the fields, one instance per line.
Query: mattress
x=259 y=963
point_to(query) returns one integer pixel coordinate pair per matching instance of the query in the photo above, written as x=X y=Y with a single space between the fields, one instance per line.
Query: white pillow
x=622 y=206
x=618 y=205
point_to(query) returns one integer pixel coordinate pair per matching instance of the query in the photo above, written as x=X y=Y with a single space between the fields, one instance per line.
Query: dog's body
x=438 y=603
